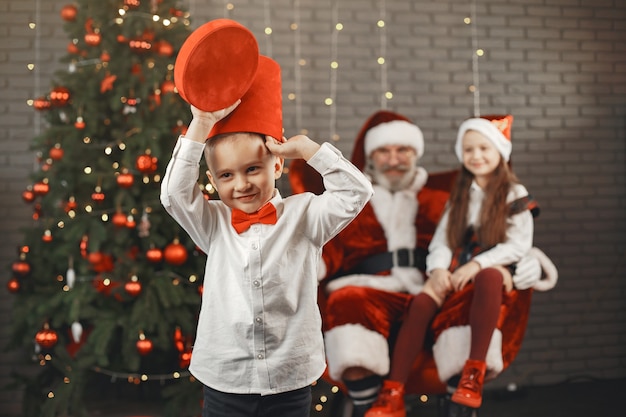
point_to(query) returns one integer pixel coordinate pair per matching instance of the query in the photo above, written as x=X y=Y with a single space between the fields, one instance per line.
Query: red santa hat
x=385 y=128
x=496 y=128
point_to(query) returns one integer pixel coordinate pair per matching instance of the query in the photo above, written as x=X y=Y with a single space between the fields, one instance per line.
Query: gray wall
x=559 y=66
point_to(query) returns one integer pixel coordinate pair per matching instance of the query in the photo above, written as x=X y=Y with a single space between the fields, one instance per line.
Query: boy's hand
x=213 y=117
x=296 y=147
x=202 y=122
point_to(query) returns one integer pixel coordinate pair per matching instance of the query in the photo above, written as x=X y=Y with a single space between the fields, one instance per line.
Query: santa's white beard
x=399 y=183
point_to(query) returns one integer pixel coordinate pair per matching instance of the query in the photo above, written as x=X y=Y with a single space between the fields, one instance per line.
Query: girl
x=486 y=228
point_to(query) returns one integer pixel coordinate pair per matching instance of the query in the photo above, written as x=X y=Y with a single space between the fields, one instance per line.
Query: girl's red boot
x=470 y=389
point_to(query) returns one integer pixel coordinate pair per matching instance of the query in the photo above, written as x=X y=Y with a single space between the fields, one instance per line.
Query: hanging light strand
x=334 y=65
x=35 y=65
x=268 y=27
x=476 y=53
x=383 y=53
x=297 y=73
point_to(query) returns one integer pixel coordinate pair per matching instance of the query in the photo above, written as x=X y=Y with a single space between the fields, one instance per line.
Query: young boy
x=259 y=344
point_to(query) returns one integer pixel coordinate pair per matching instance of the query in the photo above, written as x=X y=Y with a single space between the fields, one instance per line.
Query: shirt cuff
x=188 y=150
x=325 y=158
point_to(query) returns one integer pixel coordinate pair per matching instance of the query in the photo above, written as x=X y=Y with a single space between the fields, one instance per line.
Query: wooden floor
x=587 y=398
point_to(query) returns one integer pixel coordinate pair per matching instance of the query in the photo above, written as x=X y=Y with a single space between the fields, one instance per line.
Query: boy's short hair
x=216 y=140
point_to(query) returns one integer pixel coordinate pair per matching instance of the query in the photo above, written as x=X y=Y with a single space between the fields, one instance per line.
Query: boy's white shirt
x=519 y=234
x=259 y=329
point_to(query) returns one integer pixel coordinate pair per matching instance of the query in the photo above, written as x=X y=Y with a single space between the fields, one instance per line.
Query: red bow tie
x=242 y=221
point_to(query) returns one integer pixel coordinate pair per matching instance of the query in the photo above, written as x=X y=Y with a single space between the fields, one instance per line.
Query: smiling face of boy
x=243 y=171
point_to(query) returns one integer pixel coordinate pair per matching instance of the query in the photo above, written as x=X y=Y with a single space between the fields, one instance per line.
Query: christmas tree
x=106 y=283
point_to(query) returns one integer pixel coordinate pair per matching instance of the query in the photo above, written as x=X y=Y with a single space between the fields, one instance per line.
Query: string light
x=298 y=62
x=268 y=28
x=385 y=94
x=476 y=53
x=331 y=101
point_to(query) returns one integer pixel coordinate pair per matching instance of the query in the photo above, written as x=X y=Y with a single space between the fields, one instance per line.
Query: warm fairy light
x=291 y=96
x=30 y=67
x=268 y=31
x=61 y=224
x=108 y=150
x=121 y=146
x=480 y=52
x=328 y=101
x=87 y=170
x=388 y=95
x=302 y=62
x=156 y=18
x=318 y=407
x=293 y=26
x=334 y=65
x=467 y=20
x=105 y=217
x=176 y=375
x=88 y=208
x=86 y=139
x=230 y=6
x=339 y=26
x=144 y=377
x=121 y=12
x=51 y=395
x=381 y=60
x=380 y=23
x=193 y=278
x=424 y=398
x=32 y=25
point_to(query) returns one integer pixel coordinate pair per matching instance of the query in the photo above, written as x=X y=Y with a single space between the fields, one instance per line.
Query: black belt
x=415 y=258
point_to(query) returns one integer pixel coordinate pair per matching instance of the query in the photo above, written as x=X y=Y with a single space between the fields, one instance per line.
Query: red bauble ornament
x=185 y=359
x=132 y=3
x=154 y=255
x=133 y=288
x=175 y=253
x=59 y=96
x=168 y=86
x=79 y=123
x=56 y=152
x=28 y=196
x=73 y=49
x=125 y=180
x=165 y=48
x=47 y=236
x=105 y=57
x=69 y=12
x=41 y=103
x=70 y=205
x=130 y=222
x=41 y=188
x=46 y=337
x=13 y=285
x=146 y=163
x=21 y=268
x=98 y=197
x=93 y=39
x=144 y=346
x=119 y=219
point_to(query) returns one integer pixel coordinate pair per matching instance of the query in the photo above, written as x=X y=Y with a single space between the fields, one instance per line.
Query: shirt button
x=255 y=228
x=254 y=246
x=259 y=320
x=256 y=283
x=259 y=356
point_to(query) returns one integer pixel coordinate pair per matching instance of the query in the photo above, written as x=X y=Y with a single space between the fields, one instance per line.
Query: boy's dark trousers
x=295 y=403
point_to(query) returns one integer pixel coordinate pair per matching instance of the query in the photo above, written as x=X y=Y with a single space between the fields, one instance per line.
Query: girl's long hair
x=494 y=212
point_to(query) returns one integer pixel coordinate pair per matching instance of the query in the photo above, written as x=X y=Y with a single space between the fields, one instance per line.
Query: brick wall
x=559 y=66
